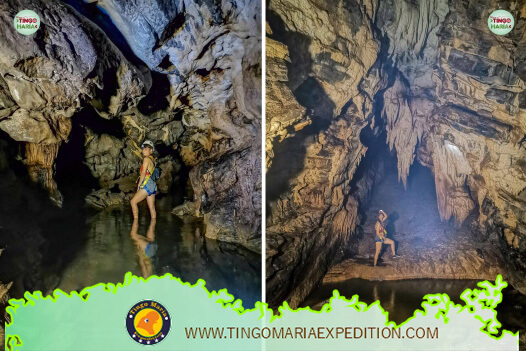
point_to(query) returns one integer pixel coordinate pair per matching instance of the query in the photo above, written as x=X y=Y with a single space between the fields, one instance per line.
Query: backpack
x=156 y=174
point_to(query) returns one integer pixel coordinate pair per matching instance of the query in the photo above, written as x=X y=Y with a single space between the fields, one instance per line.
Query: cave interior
x=399 y=106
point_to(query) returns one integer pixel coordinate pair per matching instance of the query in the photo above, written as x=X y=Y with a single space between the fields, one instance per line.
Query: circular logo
x=148 y=322
x=27 y=22
x=500 y=22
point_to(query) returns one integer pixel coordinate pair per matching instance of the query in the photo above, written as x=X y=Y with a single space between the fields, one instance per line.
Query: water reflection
x=117 y=244
x=401 y=298
x=145 y=247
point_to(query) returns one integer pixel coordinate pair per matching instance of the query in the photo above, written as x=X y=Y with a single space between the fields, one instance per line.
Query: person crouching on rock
x=381 y=236
x=146 y=188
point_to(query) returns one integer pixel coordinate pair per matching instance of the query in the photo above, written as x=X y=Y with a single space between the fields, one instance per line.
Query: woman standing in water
x=381 y=237
x=146 y=188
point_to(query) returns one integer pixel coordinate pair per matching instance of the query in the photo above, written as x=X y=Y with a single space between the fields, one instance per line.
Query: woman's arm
x=143 y=172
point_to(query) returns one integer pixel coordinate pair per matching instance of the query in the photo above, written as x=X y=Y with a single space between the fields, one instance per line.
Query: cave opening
x=74 y=178
x=157 y=97
x=414 y=221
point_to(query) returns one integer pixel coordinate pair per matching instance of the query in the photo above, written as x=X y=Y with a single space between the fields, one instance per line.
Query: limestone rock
x=189 y=80
x=104 y=158
x=211 y=54
x=186 y=209
x=428 y=75
x=104 y=198
x=282 y=109
x=226 y=193
x=46 y=76
x=318 y=53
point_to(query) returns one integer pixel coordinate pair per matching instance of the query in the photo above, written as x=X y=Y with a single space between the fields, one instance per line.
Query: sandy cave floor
x=429 y=247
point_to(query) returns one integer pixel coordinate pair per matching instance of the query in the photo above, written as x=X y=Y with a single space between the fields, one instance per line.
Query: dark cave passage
x=38 y=239
x=414 y=220
x=72 y=175
x=422 y=238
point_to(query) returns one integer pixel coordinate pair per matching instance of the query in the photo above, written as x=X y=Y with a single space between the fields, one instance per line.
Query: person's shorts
x=378 y=239
x=150 y=249
x=150 y=187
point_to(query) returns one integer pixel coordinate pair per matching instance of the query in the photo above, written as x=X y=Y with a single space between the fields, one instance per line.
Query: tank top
x=147 y=171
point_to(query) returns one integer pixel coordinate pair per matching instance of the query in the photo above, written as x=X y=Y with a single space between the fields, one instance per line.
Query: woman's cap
x=148 y=143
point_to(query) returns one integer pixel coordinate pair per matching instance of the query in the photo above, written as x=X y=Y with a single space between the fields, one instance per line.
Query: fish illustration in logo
x=147 y=322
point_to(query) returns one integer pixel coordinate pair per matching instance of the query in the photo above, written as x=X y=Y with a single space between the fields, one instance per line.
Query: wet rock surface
x=438 y=86
x=227 y=195
x=95 y=81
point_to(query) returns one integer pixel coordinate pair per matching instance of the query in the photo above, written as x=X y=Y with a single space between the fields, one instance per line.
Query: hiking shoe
x=396 y=256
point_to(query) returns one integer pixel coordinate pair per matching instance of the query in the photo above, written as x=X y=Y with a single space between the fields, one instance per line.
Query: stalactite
x=448 y=93
x=407 y=122
x=39 y=159
x=345 y=220
x=451 y=170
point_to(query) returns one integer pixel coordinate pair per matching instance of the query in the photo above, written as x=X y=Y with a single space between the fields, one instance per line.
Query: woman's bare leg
x=378 y=248
x=138 y=197
x=135 y=227
x=390 y=242
x=151 y=205
x=151 y=230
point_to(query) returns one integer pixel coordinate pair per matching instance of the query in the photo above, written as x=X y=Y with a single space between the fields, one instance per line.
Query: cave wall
x=318 y=52
x=45 y=78
x=447 y=92
x=185 y=74
x=467 y=114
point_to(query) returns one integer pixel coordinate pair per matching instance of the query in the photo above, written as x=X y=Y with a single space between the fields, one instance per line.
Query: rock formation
x=185 y=74
x=430 y=77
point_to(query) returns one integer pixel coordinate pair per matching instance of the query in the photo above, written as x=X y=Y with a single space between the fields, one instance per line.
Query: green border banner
x=95 y=319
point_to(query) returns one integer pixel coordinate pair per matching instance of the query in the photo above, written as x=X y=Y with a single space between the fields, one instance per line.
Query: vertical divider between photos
x=263 y=131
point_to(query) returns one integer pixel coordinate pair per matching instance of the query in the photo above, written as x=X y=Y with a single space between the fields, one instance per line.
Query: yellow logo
x=148 y=322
